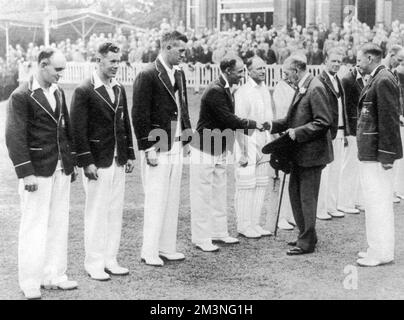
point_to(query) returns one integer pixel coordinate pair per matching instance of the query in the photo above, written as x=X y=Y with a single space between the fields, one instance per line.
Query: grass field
x=254 y=269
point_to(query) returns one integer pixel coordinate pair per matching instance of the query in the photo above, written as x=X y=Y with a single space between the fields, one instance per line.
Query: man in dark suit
x=349 y=191
x=213 y=139
x=379 y=146
x=40 y=145
x=308 y=122
x=328 y=205
x=103 y=138
x=162 y=126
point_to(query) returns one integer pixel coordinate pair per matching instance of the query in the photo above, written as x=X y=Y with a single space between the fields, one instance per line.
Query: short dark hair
x=229 y=61
x=106 y=47
x=372 y=49
x=170 y=37
x=45 y=54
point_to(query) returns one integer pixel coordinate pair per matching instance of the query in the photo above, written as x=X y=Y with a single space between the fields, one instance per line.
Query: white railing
x=198 y=76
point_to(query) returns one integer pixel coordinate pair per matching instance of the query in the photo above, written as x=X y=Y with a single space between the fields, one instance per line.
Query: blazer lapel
x=102 y=92
x=369 y=84
x=222 y=83
x=298 y=95
x=39 y=97
x=329 y=84
x=164 y=78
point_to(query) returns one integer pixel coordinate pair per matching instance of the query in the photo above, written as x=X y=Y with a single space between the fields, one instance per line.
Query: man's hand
x=151 y=158
x=243 y=162
x=31 y=183
x=264 y=127
x=130 y=165
x=387 y=166
x=75 y=174
x=91 y=172
x=292 y=134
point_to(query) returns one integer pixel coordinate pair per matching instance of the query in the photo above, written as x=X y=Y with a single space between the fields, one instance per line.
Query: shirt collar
x=98 y=82
x=227 y=86
x=375 y=70
x=332 y=78
x=301 y=83
x=36 y=86
x=172 y=71
x=358 y=75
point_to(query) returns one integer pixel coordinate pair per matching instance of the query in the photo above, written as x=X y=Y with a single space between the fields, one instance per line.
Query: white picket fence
x=198 y=76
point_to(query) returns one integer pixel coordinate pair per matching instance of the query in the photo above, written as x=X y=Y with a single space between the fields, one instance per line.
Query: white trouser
x=377 y=184
x=161 y=186
x=399 y=170
x=330 y=178
x=349 y=188
x=103 y=217
x=251 y=185
x=42 y=241
x=208 y=184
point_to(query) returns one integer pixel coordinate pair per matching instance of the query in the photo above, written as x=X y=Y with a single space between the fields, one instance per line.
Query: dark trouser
x=304 y=186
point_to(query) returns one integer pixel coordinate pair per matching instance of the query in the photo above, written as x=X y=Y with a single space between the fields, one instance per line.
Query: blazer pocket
x=95 y=141
x=36 y=149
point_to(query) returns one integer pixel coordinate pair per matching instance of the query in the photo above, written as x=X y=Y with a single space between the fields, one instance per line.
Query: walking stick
x=280 y=204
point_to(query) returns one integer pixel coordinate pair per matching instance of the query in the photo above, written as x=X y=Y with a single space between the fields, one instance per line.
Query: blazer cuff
x=145 y=144
x=386 y=157
x=85 y=159
x=24 y=169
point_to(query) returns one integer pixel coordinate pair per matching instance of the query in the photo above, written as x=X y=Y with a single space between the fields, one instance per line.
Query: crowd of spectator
x=209 y=46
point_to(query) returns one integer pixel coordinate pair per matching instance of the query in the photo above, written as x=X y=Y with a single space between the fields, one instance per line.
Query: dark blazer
x=352 y=89
x=155 y=110
x=378 y=133
x=333 y=99
x=311 y=118
x=217 y=120
x=36 y=136
x=99 y=124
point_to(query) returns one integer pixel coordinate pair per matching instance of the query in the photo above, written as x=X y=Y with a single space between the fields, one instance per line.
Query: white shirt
x=253 y=101
x=340 y=108
x=177 y=145
x=50 y=96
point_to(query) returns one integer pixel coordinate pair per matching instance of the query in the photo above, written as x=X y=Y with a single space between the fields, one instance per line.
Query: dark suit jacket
x=155 y=110
x=311 y=118
x=217 y=120
x=333 y=99
x=352 y=89
x=36 y=135
x=99 y=124
x=378 y=131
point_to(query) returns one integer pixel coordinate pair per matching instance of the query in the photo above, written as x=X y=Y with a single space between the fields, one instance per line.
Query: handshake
x=264 y=127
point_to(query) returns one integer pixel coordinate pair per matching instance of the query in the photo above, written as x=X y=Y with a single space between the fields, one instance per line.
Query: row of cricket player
x=345 y=135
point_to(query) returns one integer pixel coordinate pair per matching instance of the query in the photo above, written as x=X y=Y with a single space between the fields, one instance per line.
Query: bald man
x=40 y=145
x=252 y=101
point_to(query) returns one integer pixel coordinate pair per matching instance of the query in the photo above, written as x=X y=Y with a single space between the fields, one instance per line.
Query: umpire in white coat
x=40 y=145
x=104 y=145
x=252 y=169
x=379 y=146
